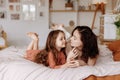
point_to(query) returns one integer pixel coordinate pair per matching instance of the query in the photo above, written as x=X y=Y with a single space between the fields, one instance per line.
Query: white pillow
x=104 y=50
x=105 y=55
x=2 y=41
x=60 y=27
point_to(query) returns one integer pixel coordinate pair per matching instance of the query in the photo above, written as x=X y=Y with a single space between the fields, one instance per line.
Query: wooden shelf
x=86 y=11
x=63 y=11
x=72 y=11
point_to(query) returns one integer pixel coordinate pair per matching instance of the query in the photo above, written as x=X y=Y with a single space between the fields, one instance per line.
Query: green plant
x=117 y=21
x=70 y=1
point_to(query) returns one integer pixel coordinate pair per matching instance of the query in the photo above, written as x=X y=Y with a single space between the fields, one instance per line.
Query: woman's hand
x=71 y=64
x=74 y=64
x=72 y=54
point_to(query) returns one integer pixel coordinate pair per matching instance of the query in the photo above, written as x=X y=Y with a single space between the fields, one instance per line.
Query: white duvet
x=14 y=67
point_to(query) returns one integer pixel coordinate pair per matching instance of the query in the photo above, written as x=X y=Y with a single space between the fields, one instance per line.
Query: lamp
x=100 y=5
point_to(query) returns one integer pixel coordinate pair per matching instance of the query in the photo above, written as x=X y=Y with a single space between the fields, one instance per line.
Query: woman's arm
x=77 y=63
x=92 y=61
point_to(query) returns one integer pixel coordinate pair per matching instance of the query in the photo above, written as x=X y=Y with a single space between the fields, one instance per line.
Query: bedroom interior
x=16 y=27
x=22 y=16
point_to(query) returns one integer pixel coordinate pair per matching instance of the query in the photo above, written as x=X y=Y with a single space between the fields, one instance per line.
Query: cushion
x=116 y=56
x=115 y=47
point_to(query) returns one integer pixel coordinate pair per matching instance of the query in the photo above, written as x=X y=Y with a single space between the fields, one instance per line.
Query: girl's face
x=60 y=41
x=76 y=39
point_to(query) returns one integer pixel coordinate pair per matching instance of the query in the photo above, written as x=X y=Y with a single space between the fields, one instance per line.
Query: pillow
x=105 y=54
x=114 y=46
x=61 y=27
x=104 y=50
x=116 y=56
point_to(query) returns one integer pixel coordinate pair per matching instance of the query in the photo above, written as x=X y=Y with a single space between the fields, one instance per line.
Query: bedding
x=13 y=66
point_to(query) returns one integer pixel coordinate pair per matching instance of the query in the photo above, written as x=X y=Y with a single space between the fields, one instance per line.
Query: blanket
x=13 y=66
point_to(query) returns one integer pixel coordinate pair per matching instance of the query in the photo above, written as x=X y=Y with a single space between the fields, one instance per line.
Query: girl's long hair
x=89 y=40
x=50 y=46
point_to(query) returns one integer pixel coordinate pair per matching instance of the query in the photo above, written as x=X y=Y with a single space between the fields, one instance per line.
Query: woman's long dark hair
x=89 y=40
x=50 y=47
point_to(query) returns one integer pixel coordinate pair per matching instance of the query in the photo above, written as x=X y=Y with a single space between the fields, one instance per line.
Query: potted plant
x=117 y=23
x=69 y=4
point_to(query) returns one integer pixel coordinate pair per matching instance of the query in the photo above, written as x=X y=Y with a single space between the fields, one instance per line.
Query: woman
x=84 y=43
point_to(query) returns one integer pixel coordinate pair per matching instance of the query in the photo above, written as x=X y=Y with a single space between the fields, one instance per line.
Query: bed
x=115 y=48
x=13 y=66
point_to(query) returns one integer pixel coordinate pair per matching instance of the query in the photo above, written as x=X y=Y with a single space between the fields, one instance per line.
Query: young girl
x=53 y=55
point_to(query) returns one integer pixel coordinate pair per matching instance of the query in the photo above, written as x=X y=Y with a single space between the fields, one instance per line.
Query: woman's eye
x=74 y=37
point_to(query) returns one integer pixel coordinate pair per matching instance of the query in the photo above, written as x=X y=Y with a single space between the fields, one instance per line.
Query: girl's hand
x=72 y=54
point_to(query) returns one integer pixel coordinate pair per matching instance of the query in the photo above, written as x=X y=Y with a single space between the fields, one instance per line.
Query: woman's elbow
x=91 y=62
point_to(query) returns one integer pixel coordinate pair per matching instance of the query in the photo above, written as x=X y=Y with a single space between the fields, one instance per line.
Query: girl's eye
x=61 y=39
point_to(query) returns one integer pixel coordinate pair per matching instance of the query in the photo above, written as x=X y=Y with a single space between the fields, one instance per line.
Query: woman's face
x=76 y=39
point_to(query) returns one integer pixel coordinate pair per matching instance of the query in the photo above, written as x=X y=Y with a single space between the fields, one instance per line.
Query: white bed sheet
x=14 y=67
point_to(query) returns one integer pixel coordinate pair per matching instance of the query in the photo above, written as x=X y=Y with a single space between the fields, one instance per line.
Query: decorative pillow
x=116 y=56
x=115 y=47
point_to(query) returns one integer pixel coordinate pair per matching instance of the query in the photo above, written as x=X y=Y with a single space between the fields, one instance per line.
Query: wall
x=83 y=18
x=16 y=29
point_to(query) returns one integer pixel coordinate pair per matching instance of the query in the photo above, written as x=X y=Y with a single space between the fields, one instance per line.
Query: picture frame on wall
x=41 y=3
x=41 y=14
x=12 y=1
x=11 y=8
x=29 y=12
x=17 y=7
x=2 y=14
x=2 y=3
x=15 y=16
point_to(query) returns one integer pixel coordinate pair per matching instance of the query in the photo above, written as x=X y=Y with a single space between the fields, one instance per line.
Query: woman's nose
x=70 y=38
